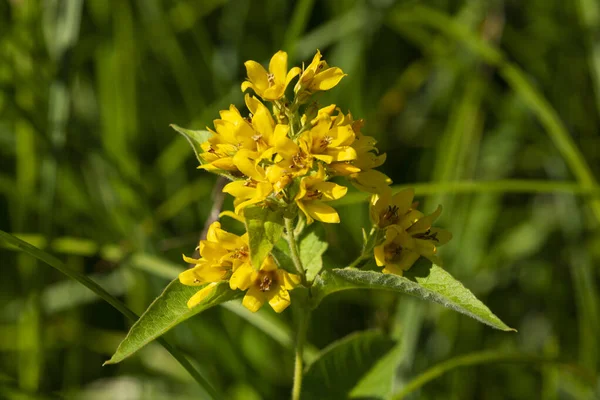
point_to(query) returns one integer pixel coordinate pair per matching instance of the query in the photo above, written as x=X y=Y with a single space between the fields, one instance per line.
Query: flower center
x=326 y=141
x=250 y=183
x=299 y=160
x=393 y=252
x=390 y=214
x=271 y=79
x=265 y=283
x=241 y=252
x=313 y=194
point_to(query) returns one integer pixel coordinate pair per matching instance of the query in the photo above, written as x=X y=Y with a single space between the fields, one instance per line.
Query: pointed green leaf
x=195 y=139
x=264 y=228
x=281 y=252
x=168 y=310
x=342 y=364
x=311 y=249
x=434 y=285
x=378 y=382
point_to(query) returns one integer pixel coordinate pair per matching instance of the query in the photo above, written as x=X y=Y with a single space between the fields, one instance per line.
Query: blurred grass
x=490 y=108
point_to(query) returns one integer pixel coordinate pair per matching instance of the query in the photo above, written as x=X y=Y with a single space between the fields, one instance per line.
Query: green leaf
x=195 y=139
x=168 y=310
x=342 y=364
x=311 y=249
x=434 y=285
x=281 y=252
x=378 y=382
x=265 y=228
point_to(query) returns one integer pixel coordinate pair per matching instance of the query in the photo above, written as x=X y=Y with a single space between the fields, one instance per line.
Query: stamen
x=313 y=195
x=427 y=235
x=391 y=214
x=271 y=79
x=265 y=283
x=326 y=141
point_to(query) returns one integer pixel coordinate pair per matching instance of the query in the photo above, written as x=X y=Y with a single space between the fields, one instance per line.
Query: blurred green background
x=491 y=108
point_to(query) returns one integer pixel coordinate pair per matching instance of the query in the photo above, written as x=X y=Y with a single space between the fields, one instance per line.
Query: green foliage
x=489 y=108
x=343 y=363
x=311 y=248
x=195 y=139
x=264 y=228
x=168 y=310
x=435 y=285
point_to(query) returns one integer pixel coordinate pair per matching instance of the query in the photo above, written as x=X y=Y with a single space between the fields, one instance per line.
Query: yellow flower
x=255 y=189
x=318 y=76
x=269 y=85
x=266 y=133
x=296 y=159
x=361 y=170
x=312 y=194
x=221 y=253
x=403 y=247
x=386 y=209
x=269 y=284
x=231 y=133
x=260 y=183
x=330 y=143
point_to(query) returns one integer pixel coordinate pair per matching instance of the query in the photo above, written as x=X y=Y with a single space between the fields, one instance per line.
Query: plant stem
x=291 y=239
x=299 y=362
x=367 y=248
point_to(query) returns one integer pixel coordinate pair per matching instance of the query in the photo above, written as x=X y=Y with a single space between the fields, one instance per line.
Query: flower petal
x=330 y=190
x=242 y=277
x=327 y=79
x=423 y=224
x=201 y=295
x=278 y=66
x=379 y=253
x=442 y=235
x=288 y=280
x=322 y=212
x=257 y=75
x=403 y=200
x=254 y=299
x=279 y=300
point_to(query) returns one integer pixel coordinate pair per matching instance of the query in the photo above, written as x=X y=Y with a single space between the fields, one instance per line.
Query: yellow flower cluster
x=408 y=233
x=283 y=157
x=226 y=257
x=288 y=155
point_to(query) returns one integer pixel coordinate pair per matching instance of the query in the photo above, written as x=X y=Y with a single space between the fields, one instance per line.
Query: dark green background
x=503 y=96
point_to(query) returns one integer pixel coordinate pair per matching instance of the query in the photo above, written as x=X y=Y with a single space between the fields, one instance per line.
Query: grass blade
x=519 y=82
x=116 y=303
x=487 y=357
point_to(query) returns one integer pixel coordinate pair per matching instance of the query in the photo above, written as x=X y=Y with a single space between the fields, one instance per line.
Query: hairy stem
x=291 y=239
x=299 y=362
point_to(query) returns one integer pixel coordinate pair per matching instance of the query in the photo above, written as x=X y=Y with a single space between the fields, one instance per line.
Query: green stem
x=299 y=362
x=291 y=239
x=367 y=247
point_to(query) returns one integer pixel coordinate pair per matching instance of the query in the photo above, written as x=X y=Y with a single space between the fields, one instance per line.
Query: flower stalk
x=291 y=239
x=299 y=353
